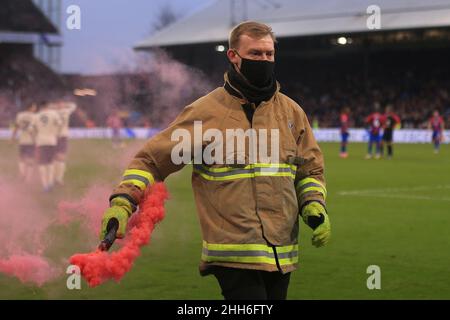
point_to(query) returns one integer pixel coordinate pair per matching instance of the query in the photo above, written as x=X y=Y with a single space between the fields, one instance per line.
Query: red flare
x=97 y=267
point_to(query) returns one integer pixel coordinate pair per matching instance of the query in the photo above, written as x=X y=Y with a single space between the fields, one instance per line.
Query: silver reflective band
x=136 y=177
x=249 y=171
x=218 y=253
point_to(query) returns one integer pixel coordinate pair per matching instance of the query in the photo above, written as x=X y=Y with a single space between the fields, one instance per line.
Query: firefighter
x=248 y=210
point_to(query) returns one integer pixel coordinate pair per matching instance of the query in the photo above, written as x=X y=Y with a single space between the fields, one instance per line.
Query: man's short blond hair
x=252 y=29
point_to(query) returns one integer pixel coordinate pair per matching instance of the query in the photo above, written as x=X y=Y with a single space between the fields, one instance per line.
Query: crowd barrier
x=322 y=135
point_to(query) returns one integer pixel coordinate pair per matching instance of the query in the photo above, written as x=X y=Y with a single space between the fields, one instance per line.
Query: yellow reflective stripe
x=314 y=185
x=244 y=175
x=141 y=173
x=266 y=260
x=285 y=249
x=256 y=253
x=225 y=178
x=278 y=174
x=225 y=169
x=287 y=261
x=274 y=165
x=309 y=180
x=137 y=183
x=237 y=247
x=318 y=189
x=249 y=171
x=252 y=166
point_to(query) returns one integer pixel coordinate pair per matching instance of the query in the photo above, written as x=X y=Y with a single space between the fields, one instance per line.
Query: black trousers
x=244 y=284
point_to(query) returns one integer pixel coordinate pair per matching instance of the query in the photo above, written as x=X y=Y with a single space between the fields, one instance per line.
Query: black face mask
x=258 y=72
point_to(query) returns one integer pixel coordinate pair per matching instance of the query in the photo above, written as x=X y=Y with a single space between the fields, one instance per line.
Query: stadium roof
x=290 y=18
x=23 y=16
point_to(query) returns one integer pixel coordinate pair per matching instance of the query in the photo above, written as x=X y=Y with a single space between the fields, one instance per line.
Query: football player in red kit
x=375 y=122
x=344 y=121
x=436 y=123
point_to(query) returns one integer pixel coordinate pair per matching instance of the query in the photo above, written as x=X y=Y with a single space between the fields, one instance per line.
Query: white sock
x=60 y=169
x=51 y=174
x=44 y=176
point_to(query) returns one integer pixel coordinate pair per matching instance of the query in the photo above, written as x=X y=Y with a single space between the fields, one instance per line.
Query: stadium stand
x=24 y=16
x=23 y=78
x=403 y=64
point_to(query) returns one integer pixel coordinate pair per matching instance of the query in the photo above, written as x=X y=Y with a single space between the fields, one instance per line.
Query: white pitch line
x=387 y=193
x=385 y=190
x=398 y=196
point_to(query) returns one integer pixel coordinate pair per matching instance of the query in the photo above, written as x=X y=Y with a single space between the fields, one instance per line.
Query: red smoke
x=23 y=236
x=28 y=268
x=89 y=209
x=98 y=266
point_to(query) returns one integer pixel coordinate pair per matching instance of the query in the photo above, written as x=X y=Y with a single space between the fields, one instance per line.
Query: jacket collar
x=234 y=92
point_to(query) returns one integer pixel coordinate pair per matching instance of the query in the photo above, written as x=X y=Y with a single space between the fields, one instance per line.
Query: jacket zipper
x=256 y=209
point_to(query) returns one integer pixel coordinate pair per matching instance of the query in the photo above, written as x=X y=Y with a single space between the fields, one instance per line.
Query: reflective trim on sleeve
x=139 y=178
x=309 y=185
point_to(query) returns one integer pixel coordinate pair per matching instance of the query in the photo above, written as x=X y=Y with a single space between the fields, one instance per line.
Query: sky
x=109 y=29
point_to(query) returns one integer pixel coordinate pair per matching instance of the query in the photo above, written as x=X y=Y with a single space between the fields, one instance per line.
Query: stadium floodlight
x=220 y=48
x=85 y=92
x=342 y=41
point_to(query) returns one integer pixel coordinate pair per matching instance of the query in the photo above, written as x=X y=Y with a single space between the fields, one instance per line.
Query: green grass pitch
x=391 y=213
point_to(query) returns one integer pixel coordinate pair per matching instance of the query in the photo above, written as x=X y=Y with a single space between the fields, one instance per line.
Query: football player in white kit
x=64 y=109
x=22 y=130
x=47 y=126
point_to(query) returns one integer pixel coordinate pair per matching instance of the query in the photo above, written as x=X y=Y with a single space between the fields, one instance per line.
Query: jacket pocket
x=236 y=206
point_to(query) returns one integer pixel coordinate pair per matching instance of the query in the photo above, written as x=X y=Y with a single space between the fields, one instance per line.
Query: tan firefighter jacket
x=248 y=210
